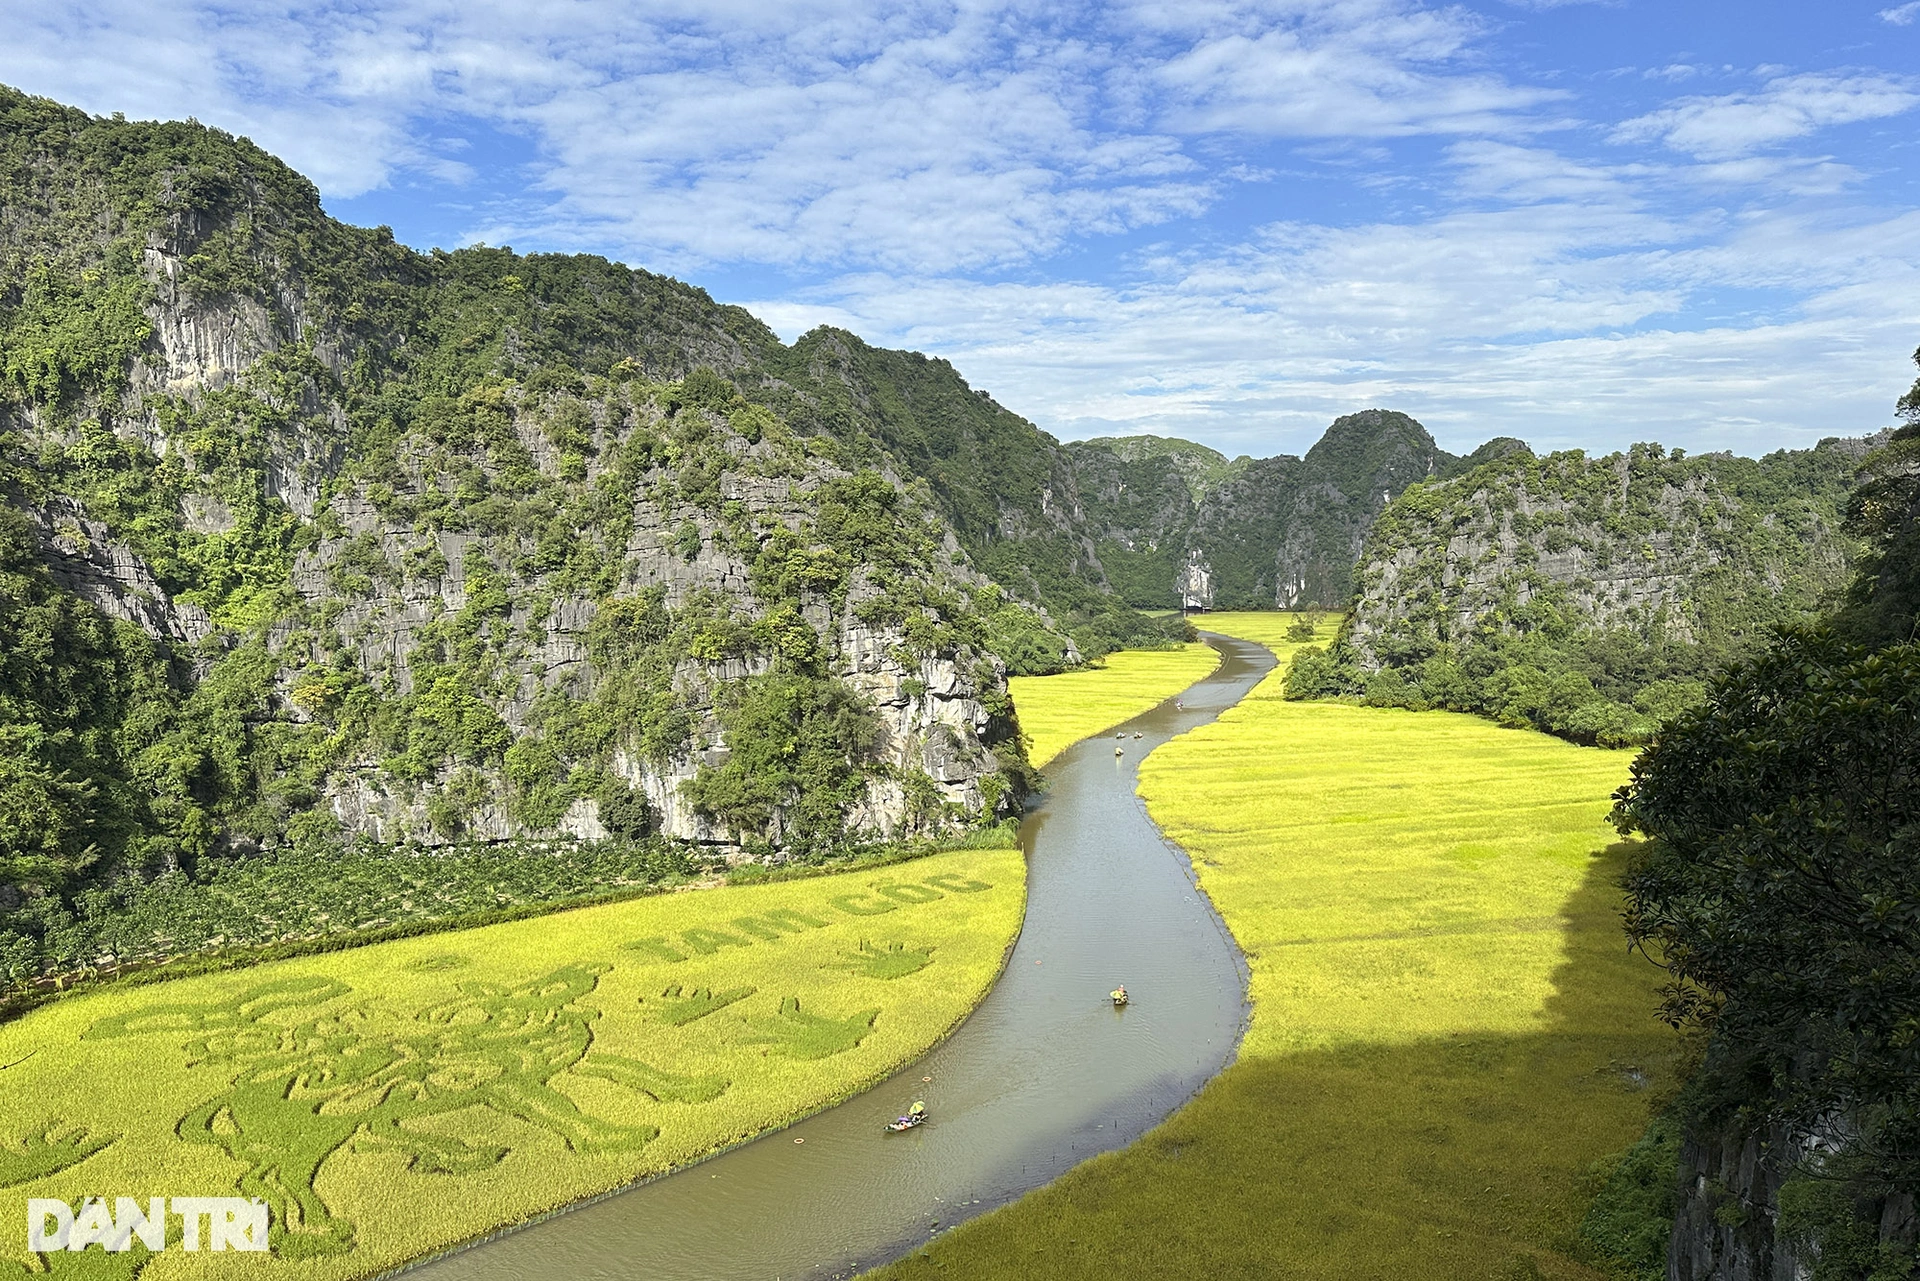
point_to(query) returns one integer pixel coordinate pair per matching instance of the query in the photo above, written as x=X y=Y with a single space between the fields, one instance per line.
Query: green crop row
x=317 y=893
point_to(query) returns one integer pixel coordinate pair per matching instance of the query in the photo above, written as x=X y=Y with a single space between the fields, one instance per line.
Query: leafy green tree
x=79 y=696
x=800 y=749
x=1778 y=888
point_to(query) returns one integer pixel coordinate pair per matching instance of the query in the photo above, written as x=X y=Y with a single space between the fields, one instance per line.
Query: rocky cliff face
x=1174 y=523
x=373 y=591
x=84 y=558
x=1727 y=1226
x=1663 y=545
x=471 y=546
x=1730 y=1225
x=385 y=582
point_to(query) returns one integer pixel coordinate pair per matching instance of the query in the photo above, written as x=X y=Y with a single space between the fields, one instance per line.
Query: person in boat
x=918 y=1112
x=1119 y=995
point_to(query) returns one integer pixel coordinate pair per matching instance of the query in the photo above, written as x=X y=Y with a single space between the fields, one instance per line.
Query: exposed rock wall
x=1177 y=524
x=84 y=557
x=1726 y=1228
x=930 y=706
x=1669 y=547
x=1729 y=1227
x=374 y=577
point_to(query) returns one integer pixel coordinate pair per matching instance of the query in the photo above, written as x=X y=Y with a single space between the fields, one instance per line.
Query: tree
x=1884 y=513
x=1779 y=886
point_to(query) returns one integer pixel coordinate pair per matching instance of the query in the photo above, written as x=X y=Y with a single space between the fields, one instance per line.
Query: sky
x=1580 y=223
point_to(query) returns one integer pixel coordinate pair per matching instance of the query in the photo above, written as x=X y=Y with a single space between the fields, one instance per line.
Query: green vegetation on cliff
x=1200 y=469
x=1003 y=486
x=1591 y=598
x=1174 y=522
x=308 y=536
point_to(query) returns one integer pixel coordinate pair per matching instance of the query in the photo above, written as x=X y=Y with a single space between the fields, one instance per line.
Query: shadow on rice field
x=1449 y=1037
x=1460 y=1155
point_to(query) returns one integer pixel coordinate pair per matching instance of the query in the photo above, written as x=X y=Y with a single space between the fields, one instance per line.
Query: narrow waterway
x=1045 y=1074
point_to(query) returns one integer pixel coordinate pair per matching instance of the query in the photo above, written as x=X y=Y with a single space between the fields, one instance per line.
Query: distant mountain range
x=1174 y=523
x=309 y=536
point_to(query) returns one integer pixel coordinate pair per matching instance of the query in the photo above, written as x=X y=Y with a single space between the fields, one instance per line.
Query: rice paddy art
x=391 y=1100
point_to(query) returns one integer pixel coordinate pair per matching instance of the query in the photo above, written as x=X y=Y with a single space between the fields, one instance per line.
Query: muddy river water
x=1044 y=1074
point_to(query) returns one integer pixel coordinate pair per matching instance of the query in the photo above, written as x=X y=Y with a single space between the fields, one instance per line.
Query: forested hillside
x=1006 y=489
x=1200 y=469
x=315 y=536
x=307 y=536
x=1590 y=597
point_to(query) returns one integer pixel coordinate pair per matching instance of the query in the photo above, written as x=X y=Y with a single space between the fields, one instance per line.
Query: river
x=1044 y=1074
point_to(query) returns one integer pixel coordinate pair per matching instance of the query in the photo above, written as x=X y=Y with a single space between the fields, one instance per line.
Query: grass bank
x=1058 y=711
x=403 y=1097
x=1448 y=1032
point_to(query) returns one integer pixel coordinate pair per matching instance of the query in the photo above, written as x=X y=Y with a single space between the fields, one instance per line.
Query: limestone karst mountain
x=307 y=534
x=1590 y=597
x=320 y=534
x=1175 y=523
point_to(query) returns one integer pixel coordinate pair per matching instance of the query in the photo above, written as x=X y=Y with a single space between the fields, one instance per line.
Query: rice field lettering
x=393 y=1100
x=676 y=1010
x=778 y=925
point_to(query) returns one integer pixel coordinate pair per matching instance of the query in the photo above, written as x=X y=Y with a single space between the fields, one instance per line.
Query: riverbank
x=1448 y=1033
x=1058 y=711
x=1042 y=1075
x=404 y=1097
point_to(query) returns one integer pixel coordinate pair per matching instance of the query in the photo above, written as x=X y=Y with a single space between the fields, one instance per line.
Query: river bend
x=1044 y=1074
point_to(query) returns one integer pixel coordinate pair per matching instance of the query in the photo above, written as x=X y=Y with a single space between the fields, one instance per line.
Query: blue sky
x=1583 y=224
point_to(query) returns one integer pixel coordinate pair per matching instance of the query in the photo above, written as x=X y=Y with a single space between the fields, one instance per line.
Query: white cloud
x=1901 y=15
x=1786 y=108
x=1533 y=174
x=921 y=136
x=1562 y=324
x=1341 y=71
x=928 y=171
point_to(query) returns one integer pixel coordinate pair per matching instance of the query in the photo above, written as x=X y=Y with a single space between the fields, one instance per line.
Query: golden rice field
x=400 y=1098
x=1448 y=1037
x=1118 y=688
